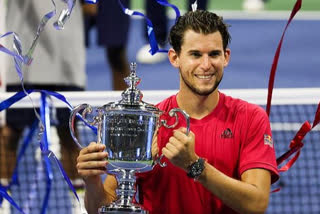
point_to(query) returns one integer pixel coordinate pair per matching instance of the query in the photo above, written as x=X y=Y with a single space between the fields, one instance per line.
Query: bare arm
x=248 y=195
x=91 y=163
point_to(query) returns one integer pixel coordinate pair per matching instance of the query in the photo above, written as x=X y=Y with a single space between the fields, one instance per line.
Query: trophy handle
x=86 y=109
x=173 y=113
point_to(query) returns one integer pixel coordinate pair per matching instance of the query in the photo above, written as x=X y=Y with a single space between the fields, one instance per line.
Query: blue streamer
x=14 y=179
x=21 y=94
x=4 y=194
x=91 y=1
x=63 y=99
x=17 y=54
x=64 y=15
x=151 y=35
x=41 y=26
x=3 y=191
x=45 y=116
x=174 y=7
x=13 y=99
x=49 y=177
x=19 y=58
x=64 y=174
x=27 y=59
x=26 y=141
x=44 y=145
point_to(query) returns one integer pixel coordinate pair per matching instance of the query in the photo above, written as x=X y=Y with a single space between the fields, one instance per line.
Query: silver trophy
x=127 y=128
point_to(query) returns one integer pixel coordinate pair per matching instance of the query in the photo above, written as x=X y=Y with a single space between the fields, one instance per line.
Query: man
x=227 y=162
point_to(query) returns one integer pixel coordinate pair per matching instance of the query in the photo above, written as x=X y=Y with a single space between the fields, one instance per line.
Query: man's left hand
x=180 y=149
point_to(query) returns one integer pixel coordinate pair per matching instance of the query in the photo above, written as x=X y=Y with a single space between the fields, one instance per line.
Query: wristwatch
x=196 y=168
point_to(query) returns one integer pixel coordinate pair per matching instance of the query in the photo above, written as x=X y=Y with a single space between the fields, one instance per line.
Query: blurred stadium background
x=255 y=36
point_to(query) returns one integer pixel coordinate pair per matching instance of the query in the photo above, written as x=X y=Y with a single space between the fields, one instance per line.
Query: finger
x=92 y=165
x=93 y=147
x=92 y=156
x=175 y=142
x=154 y=146
x=173 y=149
x=154 y=140
x=154 y=150
x=167 y=153
x=91 y=172
x=180 y=136
x=155 y=132
x=191 y=134
x=183 y=130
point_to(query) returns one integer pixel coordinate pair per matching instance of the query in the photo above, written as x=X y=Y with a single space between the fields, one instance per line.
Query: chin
x=205 y=92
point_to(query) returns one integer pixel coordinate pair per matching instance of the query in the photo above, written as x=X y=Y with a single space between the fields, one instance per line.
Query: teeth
x=204 y=76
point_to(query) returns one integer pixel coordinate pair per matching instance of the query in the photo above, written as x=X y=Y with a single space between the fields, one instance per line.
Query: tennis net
x=300 y=186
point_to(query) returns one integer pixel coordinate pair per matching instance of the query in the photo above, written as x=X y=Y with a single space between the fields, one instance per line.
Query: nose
x=205 y=63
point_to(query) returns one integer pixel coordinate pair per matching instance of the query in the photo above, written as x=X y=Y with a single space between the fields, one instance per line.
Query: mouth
x=204 y=76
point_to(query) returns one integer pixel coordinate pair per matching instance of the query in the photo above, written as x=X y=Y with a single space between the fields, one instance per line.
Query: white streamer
x=128 y=12
x=194 y=6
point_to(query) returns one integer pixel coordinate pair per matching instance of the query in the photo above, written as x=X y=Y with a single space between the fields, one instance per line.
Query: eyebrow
x=210 y=52
x=193 y=51
x=215 y=52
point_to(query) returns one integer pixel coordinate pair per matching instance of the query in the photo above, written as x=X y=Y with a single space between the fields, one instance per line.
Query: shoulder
x=243 y=108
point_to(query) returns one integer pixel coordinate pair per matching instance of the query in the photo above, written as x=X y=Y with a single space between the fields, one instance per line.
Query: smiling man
x=224 y=165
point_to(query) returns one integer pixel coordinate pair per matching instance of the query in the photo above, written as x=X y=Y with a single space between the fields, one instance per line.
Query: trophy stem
x=125 y=191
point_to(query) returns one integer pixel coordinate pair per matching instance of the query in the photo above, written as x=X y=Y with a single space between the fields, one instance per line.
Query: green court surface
x=307 y=5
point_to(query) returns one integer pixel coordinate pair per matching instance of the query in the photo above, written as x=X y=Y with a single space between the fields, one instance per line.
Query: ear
x=173 y=58
x=227 y=53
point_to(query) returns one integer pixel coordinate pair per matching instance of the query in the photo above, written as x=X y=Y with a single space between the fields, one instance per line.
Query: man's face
x=200 y=62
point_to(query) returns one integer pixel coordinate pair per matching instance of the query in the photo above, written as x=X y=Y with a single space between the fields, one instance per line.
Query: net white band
x=290 y=96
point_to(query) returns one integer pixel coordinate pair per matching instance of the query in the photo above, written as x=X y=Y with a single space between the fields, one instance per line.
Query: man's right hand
x=92 y=161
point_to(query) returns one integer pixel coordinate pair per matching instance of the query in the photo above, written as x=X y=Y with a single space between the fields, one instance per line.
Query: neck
x=197 y=106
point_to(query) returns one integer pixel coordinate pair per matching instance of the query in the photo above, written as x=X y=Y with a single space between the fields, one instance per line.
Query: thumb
x=184 y=130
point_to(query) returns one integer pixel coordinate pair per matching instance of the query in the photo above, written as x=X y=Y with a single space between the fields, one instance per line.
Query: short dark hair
x=200 y=21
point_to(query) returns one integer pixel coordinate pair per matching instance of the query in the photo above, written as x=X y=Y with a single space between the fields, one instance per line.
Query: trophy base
x=116 y=209
x=126 y=193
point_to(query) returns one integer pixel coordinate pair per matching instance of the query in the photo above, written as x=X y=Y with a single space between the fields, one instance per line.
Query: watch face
x=196 y=168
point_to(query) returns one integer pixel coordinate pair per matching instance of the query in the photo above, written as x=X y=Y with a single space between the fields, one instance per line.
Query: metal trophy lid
x=132 y=96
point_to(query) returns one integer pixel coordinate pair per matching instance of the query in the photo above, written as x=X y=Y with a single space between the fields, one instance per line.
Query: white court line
x=289 y=127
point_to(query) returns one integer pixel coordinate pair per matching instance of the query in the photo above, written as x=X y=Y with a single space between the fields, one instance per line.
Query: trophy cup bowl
x=127 y=128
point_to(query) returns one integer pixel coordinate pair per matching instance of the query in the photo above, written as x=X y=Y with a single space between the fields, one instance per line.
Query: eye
x=195 y=54
x=215 y=53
